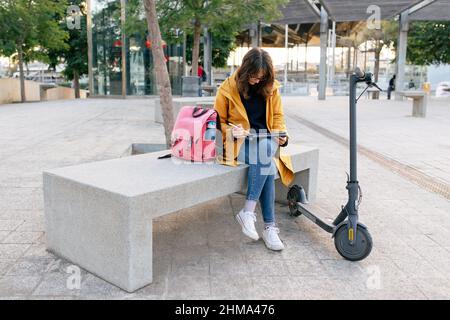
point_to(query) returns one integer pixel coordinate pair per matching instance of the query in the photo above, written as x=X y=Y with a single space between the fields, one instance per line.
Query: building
x=122 y=64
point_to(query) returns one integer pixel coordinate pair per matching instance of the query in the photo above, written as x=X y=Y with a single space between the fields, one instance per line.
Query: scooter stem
x=353 y=142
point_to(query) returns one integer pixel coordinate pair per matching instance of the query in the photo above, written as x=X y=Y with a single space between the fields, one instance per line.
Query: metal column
x=286 y=27
x=90 y=48
x=323 y=53
x=401 y=54
x=254 y=35
x=333 y=54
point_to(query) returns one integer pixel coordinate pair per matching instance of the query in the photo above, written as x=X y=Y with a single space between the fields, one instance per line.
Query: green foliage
x=429 y=43
x=224 y=18
x=223 y=43
x=74 y=54
x=31 y=25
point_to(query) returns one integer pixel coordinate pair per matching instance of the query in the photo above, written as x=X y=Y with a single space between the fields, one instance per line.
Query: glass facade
x=122 y=64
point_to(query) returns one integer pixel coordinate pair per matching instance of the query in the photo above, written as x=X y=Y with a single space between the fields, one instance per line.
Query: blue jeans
x=258 y=154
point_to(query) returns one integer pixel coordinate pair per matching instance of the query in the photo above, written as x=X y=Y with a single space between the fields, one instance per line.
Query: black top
x=255 y=106
x=392 y=82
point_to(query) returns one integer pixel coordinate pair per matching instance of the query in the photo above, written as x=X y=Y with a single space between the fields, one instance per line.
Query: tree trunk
x=161 y=73
x=76 y=84
x=196 y=47
x=376 y=69
x=22 y=76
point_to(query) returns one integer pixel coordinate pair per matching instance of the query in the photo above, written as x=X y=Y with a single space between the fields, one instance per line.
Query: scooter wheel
x=360 y=249
x=293 y=197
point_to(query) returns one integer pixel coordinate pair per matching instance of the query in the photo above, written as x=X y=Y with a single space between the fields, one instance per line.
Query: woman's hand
x=281 y=140
x=239 y=132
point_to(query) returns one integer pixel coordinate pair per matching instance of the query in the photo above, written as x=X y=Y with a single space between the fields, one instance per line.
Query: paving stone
x=306 y=268
x=232 y=286
x=23 y=237
x=12 y=251
x=9 y=225
x=94 y=287
x=268 y=267
x=227 y=267
x=182 y=286
x=56 y=284
x=30 y=266
x=273 y=287
x=435 y=289
x=5 y=265
x=3 y=234
x=18 y=285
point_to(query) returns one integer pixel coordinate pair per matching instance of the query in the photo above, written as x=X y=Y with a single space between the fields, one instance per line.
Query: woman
x=248 y=102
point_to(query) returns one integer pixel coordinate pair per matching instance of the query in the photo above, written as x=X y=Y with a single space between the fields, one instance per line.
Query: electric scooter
x=351 y=238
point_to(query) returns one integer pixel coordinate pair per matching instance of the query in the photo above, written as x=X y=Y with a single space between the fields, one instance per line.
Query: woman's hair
x=254 y=61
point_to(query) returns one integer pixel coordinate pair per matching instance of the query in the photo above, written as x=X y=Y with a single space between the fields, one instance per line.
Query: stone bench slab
x=420 y=101
x=99 y=215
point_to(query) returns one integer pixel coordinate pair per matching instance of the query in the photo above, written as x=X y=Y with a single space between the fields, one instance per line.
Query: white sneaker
x=270 y=237
x=247 y=221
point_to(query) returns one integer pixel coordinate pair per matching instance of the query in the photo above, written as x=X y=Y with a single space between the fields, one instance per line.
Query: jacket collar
x=230 y=90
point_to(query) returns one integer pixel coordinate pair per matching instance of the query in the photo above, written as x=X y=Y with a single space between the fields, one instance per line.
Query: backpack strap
x=165 y=156
x=204 y=110
x=217 y=120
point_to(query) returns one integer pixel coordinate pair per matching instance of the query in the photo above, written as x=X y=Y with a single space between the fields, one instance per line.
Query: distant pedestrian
x=200 y=72
x=391 y=87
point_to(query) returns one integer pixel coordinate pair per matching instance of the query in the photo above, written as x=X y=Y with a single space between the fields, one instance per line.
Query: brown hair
x=254 y=61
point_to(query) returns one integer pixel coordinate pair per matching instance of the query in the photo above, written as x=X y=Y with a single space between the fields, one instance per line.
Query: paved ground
x=387 y=126
x=200 y=252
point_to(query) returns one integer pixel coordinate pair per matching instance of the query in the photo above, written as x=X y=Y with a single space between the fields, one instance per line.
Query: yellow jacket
x=229 y=106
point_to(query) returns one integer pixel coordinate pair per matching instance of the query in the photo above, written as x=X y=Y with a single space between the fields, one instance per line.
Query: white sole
x=271 y=247
x=244 y=230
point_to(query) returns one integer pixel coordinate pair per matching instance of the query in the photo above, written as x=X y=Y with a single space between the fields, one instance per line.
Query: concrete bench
x=99 y=215
x=420 y=100
x=211 y=90
x=178 y=103
x=43 y=87
x=372 y=93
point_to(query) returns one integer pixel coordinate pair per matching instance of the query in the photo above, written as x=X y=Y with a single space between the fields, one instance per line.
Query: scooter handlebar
x=359 y=73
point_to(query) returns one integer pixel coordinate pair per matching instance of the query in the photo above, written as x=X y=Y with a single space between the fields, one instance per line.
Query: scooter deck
x=311 y=216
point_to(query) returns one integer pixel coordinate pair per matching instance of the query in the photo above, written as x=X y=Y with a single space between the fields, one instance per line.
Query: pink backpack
x=194 y=134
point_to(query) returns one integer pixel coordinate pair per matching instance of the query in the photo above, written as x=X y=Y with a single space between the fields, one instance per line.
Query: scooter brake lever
x=373 y=84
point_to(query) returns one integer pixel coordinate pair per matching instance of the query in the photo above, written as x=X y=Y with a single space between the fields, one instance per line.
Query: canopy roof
x=350 y=10
x=307 y=11
x=438 y=10
x=298 y=11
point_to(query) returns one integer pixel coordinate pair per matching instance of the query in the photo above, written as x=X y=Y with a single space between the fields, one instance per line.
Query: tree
x=28 y=29
x=428 y=42
x=223 y=34
x=161 y=73
x=191 y=16
x=223 y=43
x=75 y=53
